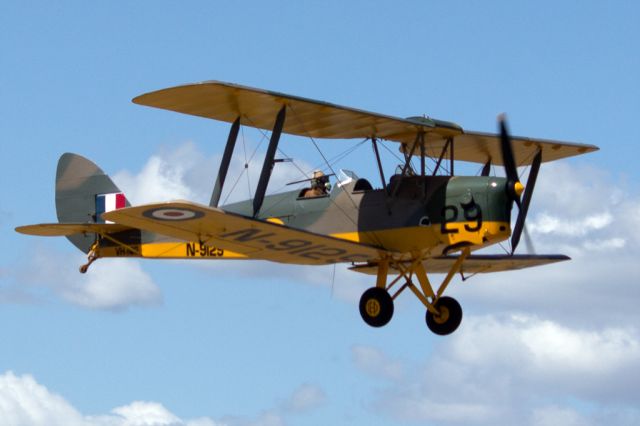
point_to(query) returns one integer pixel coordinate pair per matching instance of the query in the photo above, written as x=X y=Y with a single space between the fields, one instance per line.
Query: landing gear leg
x=444 y=313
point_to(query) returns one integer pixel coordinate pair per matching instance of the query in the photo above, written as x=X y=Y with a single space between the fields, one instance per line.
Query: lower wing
x=477 y=263
x=229 y=231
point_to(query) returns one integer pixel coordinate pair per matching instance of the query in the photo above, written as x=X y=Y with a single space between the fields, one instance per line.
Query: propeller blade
x=519 y=203
x=526 y=200
x=507 y=151
x=527 y=241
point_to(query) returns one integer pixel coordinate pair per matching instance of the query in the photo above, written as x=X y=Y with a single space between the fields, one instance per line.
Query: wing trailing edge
x=478 y=263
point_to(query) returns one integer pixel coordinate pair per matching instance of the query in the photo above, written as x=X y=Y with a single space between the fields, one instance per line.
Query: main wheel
x=448 y=320
x=376 y=307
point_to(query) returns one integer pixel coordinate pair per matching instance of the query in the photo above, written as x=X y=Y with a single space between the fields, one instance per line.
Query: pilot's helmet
x=319 y=178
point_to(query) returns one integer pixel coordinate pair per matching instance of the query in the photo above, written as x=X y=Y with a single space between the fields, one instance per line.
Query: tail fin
x=83 y=193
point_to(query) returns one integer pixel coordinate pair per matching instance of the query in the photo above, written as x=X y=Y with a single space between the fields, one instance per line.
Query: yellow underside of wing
x=475 y=264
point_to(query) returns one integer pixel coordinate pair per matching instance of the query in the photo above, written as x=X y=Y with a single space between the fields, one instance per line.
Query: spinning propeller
x=514 y=186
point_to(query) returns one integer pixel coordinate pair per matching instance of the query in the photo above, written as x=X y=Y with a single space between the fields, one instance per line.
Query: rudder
x=82 y=188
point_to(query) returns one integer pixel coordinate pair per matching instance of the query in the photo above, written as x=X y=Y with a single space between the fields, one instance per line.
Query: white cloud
x=540 y=353
x=110 y=284
x=577 y=205
x=142 y=413
x=306 y=397
x=266 y=418
x=547 y=224
x=166 y=176
x=25 y=402
x=576 y=189
x=559 y=350
x=506 y=370
x=374 y=361
x=553 y=415
x=187 y=173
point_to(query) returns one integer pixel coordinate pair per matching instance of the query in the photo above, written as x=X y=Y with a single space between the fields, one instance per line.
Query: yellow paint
x=421 y=238
x=172 y=250
x=444 y=315
x=518 y=188
x=399 y=239
x=373 y=308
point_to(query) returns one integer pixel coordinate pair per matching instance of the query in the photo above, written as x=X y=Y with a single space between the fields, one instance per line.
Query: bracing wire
x=341 y=156
x=333 y=279
x=390 y=151
x=355 y=205
x=235 y=183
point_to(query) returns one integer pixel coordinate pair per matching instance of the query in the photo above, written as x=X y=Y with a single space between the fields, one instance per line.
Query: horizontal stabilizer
x=478 y=263
x=67 y=229
x=254 y=238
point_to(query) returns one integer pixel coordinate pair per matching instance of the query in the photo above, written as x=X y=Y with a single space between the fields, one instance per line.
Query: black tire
x=449 y=319
x=376 y=307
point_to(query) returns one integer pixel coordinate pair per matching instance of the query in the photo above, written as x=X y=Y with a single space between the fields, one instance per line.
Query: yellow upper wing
x=240 y=234
x=311 y=118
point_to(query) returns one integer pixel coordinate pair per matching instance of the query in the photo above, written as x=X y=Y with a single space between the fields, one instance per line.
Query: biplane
x=417 y=223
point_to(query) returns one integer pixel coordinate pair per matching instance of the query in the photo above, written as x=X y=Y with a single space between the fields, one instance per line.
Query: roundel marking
x=175 y=214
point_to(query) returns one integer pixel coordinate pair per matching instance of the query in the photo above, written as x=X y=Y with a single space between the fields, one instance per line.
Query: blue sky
x=211 y=343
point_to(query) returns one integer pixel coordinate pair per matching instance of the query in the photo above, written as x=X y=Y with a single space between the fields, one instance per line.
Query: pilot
x=319 y=185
